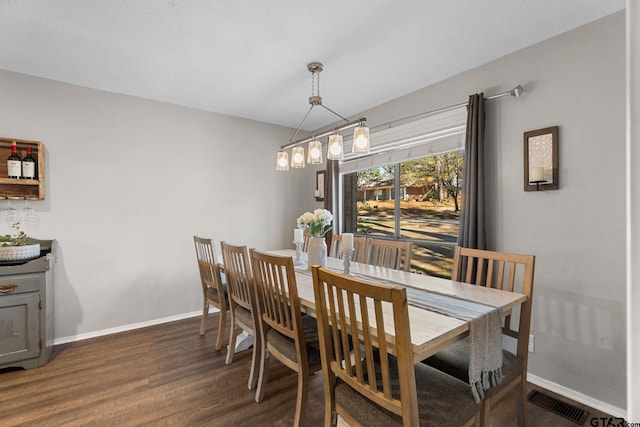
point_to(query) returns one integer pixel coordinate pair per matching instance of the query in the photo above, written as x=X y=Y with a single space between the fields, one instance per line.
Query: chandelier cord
x=315 y=83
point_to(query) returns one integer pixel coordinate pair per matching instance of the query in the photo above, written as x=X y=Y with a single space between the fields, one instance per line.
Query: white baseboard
x=578 y=397
x=129 y=327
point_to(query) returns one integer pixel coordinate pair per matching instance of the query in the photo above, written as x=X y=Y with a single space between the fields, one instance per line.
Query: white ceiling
x=248 y=58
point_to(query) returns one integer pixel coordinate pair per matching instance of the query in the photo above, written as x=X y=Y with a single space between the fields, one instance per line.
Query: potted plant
x=18 y=247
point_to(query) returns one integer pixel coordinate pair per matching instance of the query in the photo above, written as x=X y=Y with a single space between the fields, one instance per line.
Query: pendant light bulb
x=361 y=141
x=297 y=157
x=335 y=150
x=314 y=152
x=282 y=161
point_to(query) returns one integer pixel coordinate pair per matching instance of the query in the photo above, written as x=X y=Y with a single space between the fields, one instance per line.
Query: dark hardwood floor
x=168 y=375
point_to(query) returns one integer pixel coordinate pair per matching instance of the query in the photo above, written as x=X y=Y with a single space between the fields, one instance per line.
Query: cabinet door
x=19 y=327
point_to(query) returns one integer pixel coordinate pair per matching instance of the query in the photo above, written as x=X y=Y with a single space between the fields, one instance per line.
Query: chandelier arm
x=300 y=125
x=329 y=109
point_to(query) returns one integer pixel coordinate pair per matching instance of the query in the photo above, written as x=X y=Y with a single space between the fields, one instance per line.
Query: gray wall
x=129 y=182
x=575 y=81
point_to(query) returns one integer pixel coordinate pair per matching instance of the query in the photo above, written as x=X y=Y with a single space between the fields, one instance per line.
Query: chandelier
x=335 y=149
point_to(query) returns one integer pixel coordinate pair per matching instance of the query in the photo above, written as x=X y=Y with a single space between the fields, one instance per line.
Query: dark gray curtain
x=331 y=180
x=472 y=230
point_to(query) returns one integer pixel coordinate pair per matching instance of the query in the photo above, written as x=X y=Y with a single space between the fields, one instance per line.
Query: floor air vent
x=558 y=407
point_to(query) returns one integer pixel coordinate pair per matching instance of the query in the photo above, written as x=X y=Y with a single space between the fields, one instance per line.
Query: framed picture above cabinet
x=21 y=187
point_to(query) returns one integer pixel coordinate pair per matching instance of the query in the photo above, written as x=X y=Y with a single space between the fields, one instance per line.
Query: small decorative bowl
x=19 y=253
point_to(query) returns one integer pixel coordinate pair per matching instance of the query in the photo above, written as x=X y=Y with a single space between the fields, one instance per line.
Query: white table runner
x=485 y=332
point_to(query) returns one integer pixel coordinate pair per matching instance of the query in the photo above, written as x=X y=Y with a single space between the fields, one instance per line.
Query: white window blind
x=435 y=134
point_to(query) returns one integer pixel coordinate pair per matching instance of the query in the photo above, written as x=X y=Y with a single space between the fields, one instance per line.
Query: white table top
x=430 y=331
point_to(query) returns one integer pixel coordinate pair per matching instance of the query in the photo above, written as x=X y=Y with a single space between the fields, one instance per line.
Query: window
x=427 y=212
x=415 y=195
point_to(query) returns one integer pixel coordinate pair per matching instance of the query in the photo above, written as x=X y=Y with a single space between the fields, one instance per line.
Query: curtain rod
x=516 y=91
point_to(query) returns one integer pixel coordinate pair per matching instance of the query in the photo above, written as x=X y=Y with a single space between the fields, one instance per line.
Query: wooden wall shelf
x=21 y=189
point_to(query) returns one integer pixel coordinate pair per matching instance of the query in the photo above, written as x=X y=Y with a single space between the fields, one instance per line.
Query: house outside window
x=427 y=212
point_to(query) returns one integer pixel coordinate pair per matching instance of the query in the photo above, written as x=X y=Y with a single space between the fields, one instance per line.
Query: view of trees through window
x=426 y=210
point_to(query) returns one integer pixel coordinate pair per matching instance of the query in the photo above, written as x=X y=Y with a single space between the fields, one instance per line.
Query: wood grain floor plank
x=167 y=375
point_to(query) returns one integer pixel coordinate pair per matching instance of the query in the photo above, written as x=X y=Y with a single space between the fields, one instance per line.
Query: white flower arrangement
x=317 y=222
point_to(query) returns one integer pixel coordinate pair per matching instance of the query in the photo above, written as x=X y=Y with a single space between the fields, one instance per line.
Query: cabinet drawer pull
x=5 y=289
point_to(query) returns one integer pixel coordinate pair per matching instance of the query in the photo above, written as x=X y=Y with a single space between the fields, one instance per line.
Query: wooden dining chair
x=335 y=249
x=372 y=386
x=388 y=253
x=286 y=334
x=513 y=273
x=214 y=290
x=243 y=304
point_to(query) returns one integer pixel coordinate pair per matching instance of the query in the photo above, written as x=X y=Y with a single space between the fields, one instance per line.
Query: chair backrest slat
x=382 y=346
x=306 y=240
x=500 y=273
x=469 y=277
x=341 y=331
x=480 y=271
x=512 y=277
x=351 y=304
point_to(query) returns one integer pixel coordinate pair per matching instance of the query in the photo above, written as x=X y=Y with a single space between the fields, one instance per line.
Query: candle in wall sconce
x=298 y=235
x=541 y=159
x=536 y=174
x=347 y=241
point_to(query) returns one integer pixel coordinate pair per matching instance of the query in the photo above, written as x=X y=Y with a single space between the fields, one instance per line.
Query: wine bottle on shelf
x=28 y=166
x=14 y=165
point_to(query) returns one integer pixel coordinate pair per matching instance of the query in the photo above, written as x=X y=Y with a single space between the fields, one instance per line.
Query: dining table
x=431 y=331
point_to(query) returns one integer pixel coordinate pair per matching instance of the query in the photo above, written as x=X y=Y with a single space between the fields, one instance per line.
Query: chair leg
x=521 y=403
x=255 y=361
x=485 y=413
x=222 y=323
x=264 y=374
x=203 y=321
x=331 y=420
x=233 y=334
x=301 y=400
x=477 y=419
x=330 y=414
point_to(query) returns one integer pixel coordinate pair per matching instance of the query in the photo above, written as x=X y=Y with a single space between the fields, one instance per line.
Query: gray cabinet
x=26 y=310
